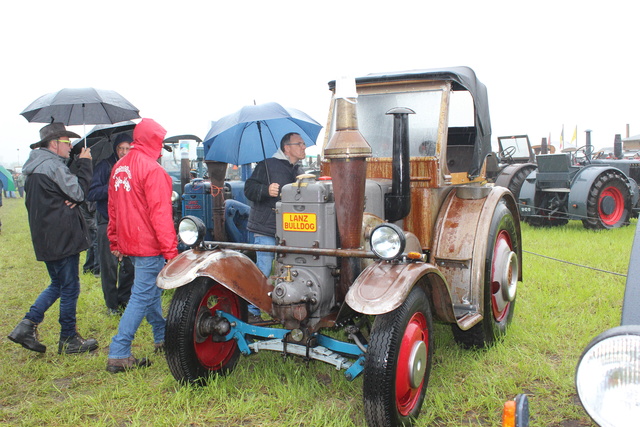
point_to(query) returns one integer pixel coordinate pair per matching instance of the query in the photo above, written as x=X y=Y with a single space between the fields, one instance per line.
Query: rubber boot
x=26 y=334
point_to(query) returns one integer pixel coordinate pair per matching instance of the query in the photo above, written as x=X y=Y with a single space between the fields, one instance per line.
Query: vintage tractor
x=572 y=186
x=514 y=161
x=401 y=230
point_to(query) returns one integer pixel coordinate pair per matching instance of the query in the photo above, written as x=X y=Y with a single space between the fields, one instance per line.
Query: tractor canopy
x=462 y=79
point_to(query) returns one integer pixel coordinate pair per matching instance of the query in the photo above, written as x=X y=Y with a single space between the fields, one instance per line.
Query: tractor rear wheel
x=608 y=203
x=194 y=354
x=398 y=363
x=502 y=269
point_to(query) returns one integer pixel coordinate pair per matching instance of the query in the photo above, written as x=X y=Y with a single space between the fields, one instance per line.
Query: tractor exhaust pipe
x=397 y=204
x=589 y=148
x=617 y=146
x=347 y=152
x=217 y=173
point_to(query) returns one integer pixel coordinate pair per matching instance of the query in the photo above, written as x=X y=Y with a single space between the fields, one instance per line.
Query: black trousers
x=116 y=277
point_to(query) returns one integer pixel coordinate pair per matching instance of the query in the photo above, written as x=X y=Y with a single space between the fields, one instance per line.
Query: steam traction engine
x=401 y=230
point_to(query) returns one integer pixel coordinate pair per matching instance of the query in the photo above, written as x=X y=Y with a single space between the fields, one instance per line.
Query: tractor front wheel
x=193 y=351
x=398 y=363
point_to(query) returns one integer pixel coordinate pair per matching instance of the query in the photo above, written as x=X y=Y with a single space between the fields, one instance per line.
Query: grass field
x=560 y=308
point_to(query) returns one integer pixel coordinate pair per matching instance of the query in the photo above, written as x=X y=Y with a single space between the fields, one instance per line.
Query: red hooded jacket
x=140 y=211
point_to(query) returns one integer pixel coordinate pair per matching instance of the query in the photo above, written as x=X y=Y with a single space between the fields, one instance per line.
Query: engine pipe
x=339 y=253
x=397 y=204
x=347 y=152
x=589 y=148
x=217 y=173
x=617 y=146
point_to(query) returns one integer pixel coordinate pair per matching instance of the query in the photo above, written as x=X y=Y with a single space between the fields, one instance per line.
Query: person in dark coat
x=116 y=277
x=58 y=233
x=263 y=190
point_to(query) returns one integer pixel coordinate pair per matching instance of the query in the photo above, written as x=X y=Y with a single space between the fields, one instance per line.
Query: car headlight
x=191 y=230
x=608 y=377
x=387 y=241
x=174 y=197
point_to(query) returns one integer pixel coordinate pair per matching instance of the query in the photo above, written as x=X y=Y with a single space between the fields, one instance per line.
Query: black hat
x=53 y=131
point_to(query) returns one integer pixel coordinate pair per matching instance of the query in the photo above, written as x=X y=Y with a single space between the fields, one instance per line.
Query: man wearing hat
x=116 y=283
x=58 y=233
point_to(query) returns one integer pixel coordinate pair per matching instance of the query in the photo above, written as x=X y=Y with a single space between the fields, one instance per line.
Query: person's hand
x=70 y=204
x=85 y=153
x=274 y=189
x=117 y=254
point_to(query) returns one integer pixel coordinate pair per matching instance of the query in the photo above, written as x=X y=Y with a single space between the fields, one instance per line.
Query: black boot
x=76 y=344
x=26 y=334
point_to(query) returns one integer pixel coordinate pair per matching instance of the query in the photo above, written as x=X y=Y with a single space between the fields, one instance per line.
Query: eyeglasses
x=297 y=143
x=66 y=141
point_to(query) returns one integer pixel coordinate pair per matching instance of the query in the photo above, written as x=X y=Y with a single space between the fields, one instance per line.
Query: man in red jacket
x=141 y=227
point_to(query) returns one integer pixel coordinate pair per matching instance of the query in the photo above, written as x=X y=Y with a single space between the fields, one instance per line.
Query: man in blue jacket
x=58 y=233
x=116 y=284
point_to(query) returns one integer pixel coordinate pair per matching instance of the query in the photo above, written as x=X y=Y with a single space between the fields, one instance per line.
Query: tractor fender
x=383 y=286
x=230 y=268
x=461 y=242
x=504 y=178
x=581 y=185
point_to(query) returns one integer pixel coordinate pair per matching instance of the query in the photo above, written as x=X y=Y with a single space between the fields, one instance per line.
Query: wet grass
x=560 y=308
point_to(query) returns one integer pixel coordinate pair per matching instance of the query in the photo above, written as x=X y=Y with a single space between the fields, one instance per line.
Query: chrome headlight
x=191 y=230
x=608 y=377
x=388 y=241
x=174 y=197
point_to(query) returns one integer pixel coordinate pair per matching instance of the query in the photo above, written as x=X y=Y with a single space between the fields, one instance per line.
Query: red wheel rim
x=502 y=247
x=615 y=195
x=407 y=395
x=215 y=355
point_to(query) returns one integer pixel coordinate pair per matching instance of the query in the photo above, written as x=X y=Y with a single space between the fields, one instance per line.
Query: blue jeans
x=144 y=302
x=264 y=261
x=65 y=284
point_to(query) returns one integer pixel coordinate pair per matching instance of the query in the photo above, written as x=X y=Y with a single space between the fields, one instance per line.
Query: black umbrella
x=80 y=106
x=101 y=138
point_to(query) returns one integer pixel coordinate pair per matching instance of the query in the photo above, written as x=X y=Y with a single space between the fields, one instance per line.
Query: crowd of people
x=121 y=214
x=134 y=236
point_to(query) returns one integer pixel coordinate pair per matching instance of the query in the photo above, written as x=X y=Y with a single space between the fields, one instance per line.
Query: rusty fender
x=460 y=243
x=230 y=268
x=383 y=286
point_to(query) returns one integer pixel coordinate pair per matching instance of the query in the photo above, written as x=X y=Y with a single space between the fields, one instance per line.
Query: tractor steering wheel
x=507 y=153
x=582 y=155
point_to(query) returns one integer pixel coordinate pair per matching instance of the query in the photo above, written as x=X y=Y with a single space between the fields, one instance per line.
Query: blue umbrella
x=253 y=133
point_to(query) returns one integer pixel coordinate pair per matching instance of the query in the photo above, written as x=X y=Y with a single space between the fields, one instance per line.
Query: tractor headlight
x=191 y=230
x=387 y=241
x=608 y=377
x=174 y=197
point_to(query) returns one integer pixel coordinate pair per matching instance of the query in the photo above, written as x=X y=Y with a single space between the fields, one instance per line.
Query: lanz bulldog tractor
x=400 y=231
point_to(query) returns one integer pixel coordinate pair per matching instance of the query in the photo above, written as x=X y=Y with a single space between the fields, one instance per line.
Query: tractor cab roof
x=462 y=79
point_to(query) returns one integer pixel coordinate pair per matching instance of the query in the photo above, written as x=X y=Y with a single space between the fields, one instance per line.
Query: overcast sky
x=185 y=63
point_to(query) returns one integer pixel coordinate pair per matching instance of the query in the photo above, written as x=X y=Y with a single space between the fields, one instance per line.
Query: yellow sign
x=299 y=222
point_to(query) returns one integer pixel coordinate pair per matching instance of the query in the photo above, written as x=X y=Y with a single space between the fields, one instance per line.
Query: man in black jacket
x=116 y=277
x=263 y=190
x=58 y=233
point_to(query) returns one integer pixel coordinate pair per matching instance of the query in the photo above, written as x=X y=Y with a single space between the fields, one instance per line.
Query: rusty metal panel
x=231 y=269
x=456 y=233
x=383 y=286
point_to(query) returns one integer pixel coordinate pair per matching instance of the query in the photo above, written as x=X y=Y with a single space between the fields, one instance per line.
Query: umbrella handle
x=264 y=155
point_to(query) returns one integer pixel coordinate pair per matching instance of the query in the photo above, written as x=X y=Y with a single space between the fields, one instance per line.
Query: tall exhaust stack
x=347 y=152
